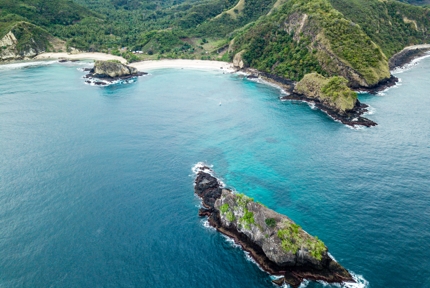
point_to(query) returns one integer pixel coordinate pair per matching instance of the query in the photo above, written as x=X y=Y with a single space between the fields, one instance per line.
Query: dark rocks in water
x=407 y=55
x=351 y=117
x=381 y=86
x=275 y=242
x=111 y=71
x=62 y=60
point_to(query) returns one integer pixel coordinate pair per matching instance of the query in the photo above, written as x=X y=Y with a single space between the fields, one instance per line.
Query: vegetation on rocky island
x=240 y=210
x=332 y=91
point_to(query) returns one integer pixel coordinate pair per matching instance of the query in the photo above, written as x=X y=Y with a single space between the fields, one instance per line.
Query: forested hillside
x=289 y=38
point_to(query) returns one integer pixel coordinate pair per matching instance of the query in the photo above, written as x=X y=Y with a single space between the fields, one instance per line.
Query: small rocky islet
x=111 y=71
x=277 y=244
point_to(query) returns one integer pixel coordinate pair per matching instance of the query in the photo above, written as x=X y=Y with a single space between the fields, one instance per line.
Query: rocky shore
x=351 y=117
x=407 y=55
x=277 y=244
x=107 y=72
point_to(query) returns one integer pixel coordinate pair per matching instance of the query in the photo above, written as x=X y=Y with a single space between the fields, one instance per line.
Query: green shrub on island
x=292 y=241
x=223 y=208
x=230 y=216
x=332 y=92
x=270 y=222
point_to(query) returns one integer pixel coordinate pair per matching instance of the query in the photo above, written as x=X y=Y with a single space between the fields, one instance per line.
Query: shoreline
x=184 y=64
x=143 y=65
x=79 y=56
x=407 y=56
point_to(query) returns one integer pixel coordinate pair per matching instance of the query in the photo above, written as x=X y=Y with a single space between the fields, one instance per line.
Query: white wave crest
x=205 y=223
x=312 y=105
x=410 y=65
x=105 y=83
x=370 y=111
x=22 y=65
x=268 y=83
x=203 y=167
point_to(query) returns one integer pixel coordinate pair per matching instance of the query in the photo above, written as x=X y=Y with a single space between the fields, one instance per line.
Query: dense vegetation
x=390 y=24
x=358 y=33
x=332 y=91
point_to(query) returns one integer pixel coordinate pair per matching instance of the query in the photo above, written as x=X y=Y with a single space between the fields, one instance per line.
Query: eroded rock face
x=24 y=41
x=280 y=246
x=112 y=69
x=238 y=60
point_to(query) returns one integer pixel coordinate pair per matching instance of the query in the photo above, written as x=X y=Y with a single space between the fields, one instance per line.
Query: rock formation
x=407 y=55
x=112 y=70
x=280 y=246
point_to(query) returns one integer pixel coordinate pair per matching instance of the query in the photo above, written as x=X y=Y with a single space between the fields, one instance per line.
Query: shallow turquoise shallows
x=96 y=187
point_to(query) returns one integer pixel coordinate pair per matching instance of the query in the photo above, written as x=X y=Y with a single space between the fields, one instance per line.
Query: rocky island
x=277 y=244
x=333 y=96
x=107 y=72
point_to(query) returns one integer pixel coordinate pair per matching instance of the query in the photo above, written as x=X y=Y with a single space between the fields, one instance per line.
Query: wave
x=268 y=83
x=105 y=83
x=360 y=282
x=410 y=65
x=203 y=167
x=205 y=223
x=22 y=65
x=370 y=110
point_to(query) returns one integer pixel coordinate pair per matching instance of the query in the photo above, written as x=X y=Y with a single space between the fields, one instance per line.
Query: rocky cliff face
x=112 y=69
x=280 y=246
x=24 y=41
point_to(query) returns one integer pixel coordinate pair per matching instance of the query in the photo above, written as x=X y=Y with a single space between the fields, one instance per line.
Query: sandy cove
x=145 y=65
x=183 y=64
x=80 y=56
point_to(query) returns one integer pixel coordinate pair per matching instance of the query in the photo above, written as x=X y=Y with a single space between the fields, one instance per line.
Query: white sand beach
x=145 y=65
x=81 y=56
x=183 y=64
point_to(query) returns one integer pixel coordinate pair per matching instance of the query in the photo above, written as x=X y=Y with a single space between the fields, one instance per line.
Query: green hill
x=288 y=38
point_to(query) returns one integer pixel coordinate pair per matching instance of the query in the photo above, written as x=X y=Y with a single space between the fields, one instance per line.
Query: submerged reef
x=277 y=244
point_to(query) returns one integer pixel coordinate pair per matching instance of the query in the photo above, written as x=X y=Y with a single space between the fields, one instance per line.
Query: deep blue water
x=96 y=183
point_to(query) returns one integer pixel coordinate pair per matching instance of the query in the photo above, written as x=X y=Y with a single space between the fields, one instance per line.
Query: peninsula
x=277 y=244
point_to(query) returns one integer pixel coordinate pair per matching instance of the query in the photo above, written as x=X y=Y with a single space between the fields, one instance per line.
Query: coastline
x=143 y=65
x=183 y=64
x=79 y=56
x=408 y=55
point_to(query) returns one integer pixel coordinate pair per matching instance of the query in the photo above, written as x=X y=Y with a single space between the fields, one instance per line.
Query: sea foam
x=22 y=65
x=410 y=65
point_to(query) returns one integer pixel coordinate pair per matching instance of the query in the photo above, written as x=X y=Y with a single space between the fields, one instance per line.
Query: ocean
x=96 y=183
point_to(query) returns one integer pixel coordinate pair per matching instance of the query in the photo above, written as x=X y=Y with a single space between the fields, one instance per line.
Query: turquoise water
x=96 y=183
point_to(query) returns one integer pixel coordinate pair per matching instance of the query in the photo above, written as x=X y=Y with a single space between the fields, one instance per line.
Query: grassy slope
x=390 y=24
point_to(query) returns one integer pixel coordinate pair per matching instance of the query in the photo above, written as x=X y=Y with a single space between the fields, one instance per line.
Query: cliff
x=280 y=246
x=24 y=41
